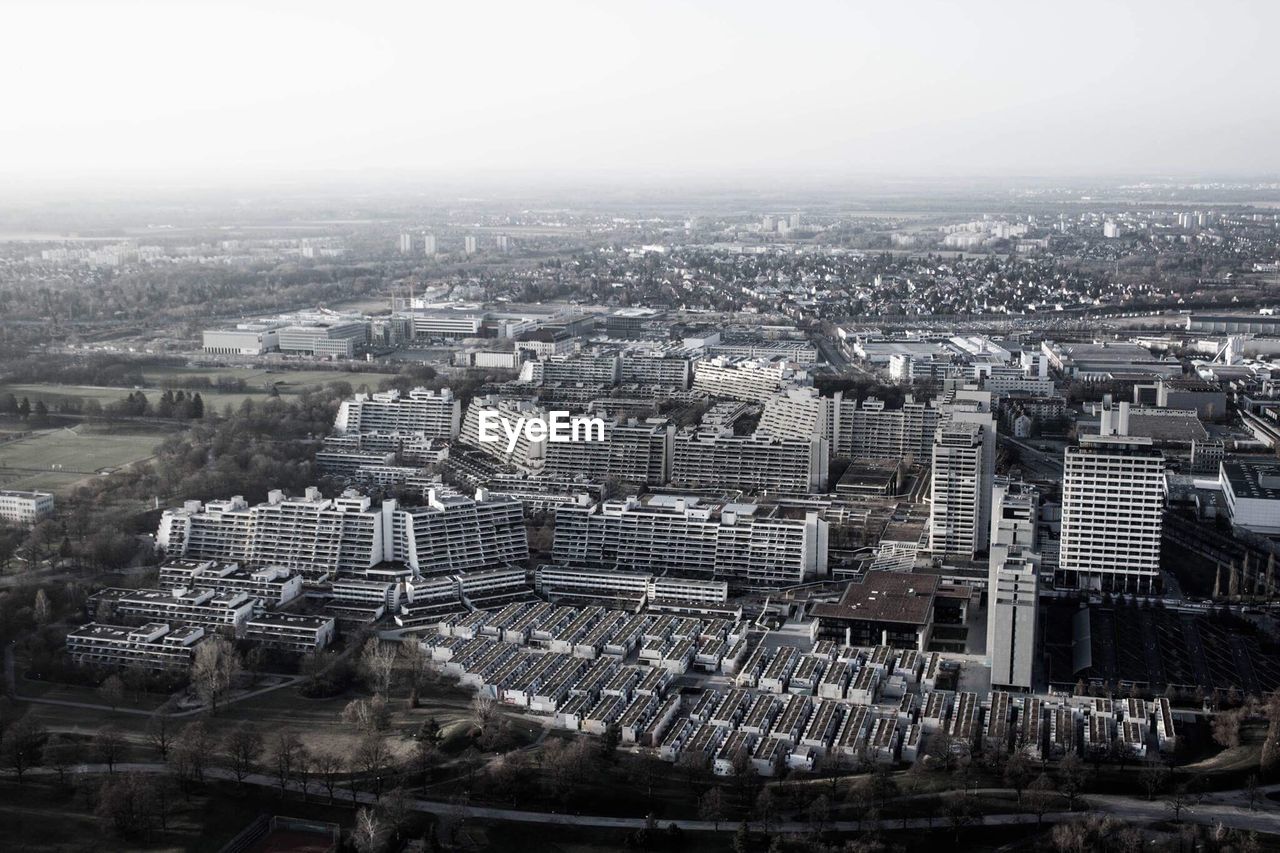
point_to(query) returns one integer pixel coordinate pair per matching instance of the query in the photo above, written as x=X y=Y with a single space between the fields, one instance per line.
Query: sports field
x=55 y=459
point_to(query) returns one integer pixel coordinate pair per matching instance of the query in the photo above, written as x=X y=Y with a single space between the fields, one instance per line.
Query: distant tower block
x=406 y=244
x=469 y=245
x=429 y=245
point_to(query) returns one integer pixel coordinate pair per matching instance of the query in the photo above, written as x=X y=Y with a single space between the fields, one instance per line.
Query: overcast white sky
x=109 y=90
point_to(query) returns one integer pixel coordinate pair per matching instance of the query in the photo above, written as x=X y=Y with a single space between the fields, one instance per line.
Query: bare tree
x=111 y=691
x=425 y=760
x=1179 y=801
x=711 y=807
x=286 y=754
x=1040 y=796
x=190 y=753
x=1017 y=773
x=378 y=663
x=41 y=610
x=20 y=746
x=108 y=747
x=368 y=834
x=371 y=758
x=241 y=749
x=214 y=671
x=328 y=766
x=61 y=753
x=161 y=729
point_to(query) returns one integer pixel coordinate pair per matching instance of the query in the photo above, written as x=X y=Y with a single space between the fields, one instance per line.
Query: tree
x=368 y=834
x=484 y=710
x=1017 y=773
x=377 y=663
x=20 y=746
x=765 y=808
x=819 y=813
x=959 y=814
x=214 y=671
x=1040 y=795
x=160 y=731
x=287 y=755
x=108 y=747
x=240 y=750
x=425 y=760
x=61 y=753
x=41 y=611
x=882 y=787
x=190 y=753
x=1071 y=772
x=111 y=691
x=711 y=807
x=742 y=838
x=1179 y=801
x=130 y=803
x=1226 y=728
x=395 y=809
x=328 y=766
x=1153 y=780
x=609 y=743
x=1252 y=792
x=371 y=757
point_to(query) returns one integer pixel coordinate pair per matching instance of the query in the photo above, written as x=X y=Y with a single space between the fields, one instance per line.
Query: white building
x=25 y=508
x=958 y=481
x=432 y=414
x=751 y=380
x=1252 y=493
x=746 y=544
x=319 y=537
x=154 y=646
x=752 y=463
x=1113 y=492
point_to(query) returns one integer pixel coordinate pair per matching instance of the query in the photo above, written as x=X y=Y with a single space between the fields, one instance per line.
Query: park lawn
x=53 y=394
x=260 y=379
x=54 y=459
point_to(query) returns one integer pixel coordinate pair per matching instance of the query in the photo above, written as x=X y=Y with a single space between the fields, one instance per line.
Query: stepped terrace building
x=319 y=537
x=433 y=414
x=748 y=545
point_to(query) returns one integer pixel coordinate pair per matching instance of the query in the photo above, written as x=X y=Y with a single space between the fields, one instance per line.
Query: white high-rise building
x=1113 y=492
x=429 y=245
x=955 y=519
x=1012 y=614
x=433 y=414
x=469 y=244
x=406 y=244
x=1013 y=585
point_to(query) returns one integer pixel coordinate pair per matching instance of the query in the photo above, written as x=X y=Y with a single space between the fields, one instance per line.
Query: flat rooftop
x=902 y=597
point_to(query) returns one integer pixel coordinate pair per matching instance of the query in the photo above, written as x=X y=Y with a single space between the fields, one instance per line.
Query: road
x=1226 y=808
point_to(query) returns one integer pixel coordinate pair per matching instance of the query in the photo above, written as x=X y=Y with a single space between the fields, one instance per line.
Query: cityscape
x=633 y=495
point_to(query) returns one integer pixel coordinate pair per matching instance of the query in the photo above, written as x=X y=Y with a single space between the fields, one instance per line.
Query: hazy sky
x=110 y=90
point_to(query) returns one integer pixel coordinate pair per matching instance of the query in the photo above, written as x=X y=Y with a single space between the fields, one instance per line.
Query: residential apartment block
x=745 y=544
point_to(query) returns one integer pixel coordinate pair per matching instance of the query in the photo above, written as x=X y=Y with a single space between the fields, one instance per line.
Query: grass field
x=258 y=383
x=55 y=459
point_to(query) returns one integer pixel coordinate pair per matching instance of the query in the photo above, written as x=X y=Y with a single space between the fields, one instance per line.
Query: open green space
x=57 y=458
